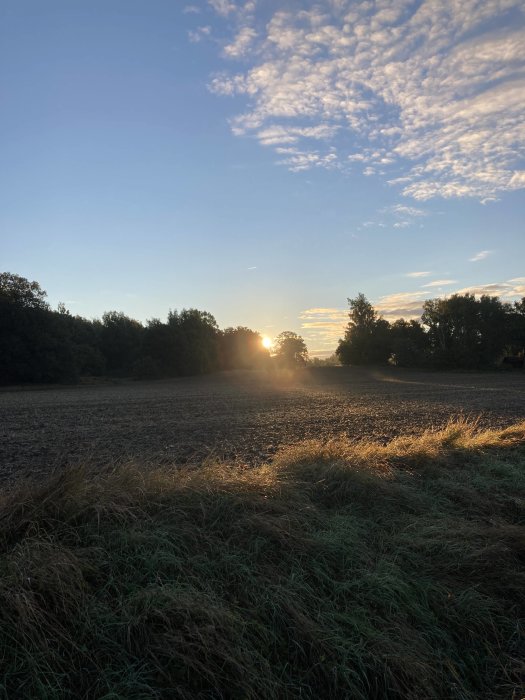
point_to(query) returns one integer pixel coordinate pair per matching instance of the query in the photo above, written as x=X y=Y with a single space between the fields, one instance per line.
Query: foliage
x=194 y=337
x=367 y=339
x=242 y=348
x=340 y=570
x=21 y=292
x=38 y=344
x=455 y=332
x=408 y=343
x=290 y=350
x=121 y=339
x=466 y=332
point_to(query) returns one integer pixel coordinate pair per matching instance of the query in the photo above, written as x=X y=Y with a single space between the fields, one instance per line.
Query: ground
x=241 y=415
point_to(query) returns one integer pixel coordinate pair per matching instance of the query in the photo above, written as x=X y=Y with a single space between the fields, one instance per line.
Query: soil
x=241 y=416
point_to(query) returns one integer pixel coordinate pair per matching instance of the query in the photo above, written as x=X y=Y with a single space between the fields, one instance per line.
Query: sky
x=263 y=160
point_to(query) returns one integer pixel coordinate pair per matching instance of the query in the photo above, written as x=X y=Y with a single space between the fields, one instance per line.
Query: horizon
x=263 y=162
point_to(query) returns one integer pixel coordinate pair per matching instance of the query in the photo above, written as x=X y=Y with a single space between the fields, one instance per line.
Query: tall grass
x=340 y=570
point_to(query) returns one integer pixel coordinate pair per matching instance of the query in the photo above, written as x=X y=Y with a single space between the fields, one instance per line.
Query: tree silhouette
x=367 y=336
x=242 y=348
x=290 y=350
x=21 y=292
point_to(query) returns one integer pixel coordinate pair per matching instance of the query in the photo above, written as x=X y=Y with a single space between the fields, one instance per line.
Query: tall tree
x=194 y=337
x=367 y=336
x=409 y=343
x=290 y=350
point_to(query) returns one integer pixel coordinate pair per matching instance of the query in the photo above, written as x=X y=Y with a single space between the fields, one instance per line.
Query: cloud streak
x=428 y=95
x=480 y=256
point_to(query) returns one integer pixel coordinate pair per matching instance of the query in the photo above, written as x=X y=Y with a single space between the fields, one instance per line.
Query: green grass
x=340 y=570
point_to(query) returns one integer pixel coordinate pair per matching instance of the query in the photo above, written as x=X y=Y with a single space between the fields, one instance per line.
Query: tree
x=290 y=350
x=367 y=336
x=34 y=345
x=21 y=292
x=466 y=332
x=121 y=339
x=194 y=339
x=516 y=333
x=408 y=342
x=242 y=348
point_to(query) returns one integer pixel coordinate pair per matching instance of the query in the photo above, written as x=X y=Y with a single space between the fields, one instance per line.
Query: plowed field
x=244 y=416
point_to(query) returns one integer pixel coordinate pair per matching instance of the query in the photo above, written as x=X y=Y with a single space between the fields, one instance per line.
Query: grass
x=340 y=570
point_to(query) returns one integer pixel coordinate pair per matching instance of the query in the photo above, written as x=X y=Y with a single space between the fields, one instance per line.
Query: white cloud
x=404 y=211
x=222 y=7
x=324 y=326
x=434 y=88
x=407 y=305
x=196 y=35
x=480 y=256
x=191 y=9
x=418 y=274
x=274 y=135
x=440 y=283
x=506 y=290
x=241 y=44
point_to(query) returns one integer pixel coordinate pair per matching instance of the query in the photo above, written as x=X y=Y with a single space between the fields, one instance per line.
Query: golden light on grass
x=267 y=342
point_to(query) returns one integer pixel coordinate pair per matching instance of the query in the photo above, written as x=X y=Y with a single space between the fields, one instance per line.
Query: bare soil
x=244 y=416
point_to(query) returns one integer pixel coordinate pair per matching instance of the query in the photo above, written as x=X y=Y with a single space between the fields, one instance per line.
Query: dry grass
x=340 y=570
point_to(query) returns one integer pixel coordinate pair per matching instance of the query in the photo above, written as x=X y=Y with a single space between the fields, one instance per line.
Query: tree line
x=455 y=332
x=42 y=345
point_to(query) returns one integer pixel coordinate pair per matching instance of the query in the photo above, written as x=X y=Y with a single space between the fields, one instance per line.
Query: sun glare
x=267 y=342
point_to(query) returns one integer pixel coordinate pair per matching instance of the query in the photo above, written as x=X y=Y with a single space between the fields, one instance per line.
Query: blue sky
x=263 y=160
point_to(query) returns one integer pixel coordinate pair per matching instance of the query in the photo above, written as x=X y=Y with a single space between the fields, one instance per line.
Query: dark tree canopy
x=466 y=332
x=242 y=348
x=366 y=338
x=459 y=331
x=39 y=344
x=290 y=350
x=20 y=291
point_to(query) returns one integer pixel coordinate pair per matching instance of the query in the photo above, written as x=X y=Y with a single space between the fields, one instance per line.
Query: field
x=241 y=416
x=373 y=549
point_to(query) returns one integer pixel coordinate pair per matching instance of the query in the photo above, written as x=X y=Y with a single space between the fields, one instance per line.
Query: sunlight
x=267 y=342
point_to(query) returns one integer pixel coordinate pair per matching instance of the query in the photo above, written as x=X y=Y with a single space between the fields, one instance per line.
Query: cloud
x=324 y=326
x=242 y=42
x=418 y=274
x=222 y=7
x=480 y=256
x=196 y=35
x=191 y=9
x=405 y=211
x=440 y=283
x=407 y=305
x=428 y=93
x=508 y=290
x=332 y=314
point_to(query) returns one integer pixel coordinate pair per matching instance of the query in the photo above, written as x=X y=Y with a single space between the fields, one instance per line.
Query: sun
x=267 y=342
